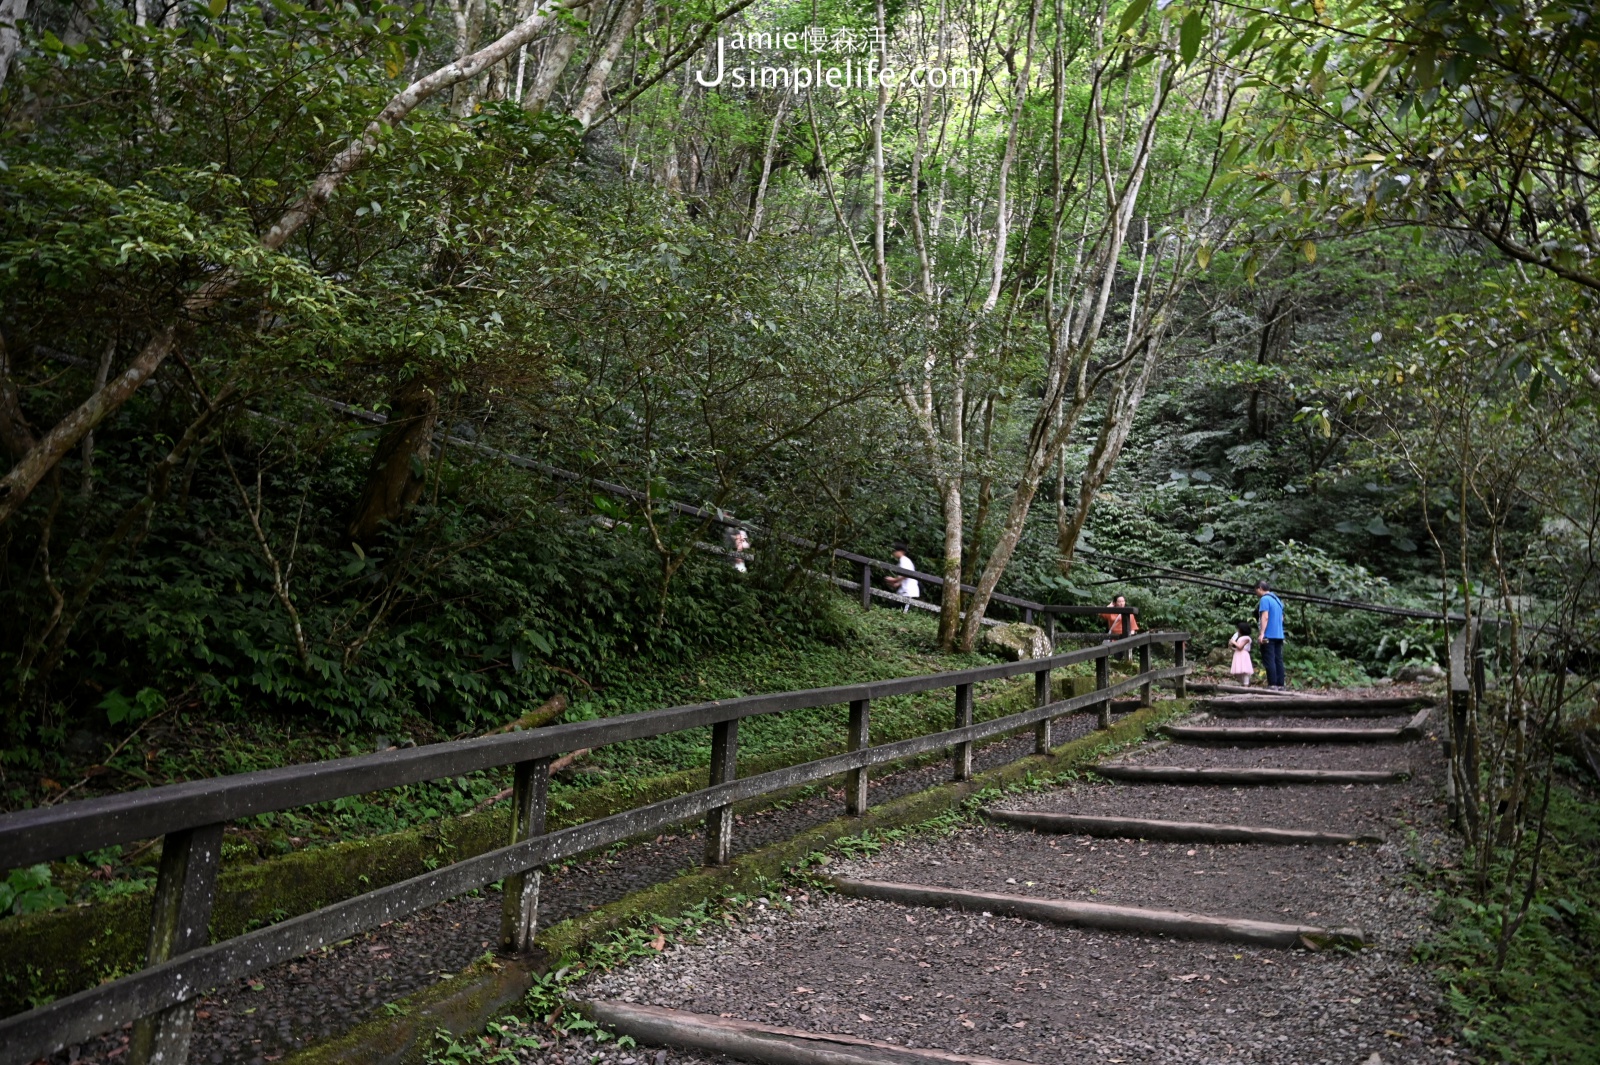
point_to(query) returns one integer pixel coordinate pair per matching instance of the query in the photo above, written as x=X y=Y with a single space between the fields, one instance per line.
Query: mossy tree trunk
x=395 y=481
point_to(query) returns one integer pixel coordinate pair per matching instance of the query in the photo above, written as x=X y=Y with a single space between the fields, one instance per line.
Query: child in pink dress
x=1242 y=669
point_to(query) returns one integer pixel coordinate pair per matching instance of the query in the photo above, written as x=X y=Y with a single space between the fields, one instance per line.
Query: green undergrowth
x=883 y=644
x=1539 y=1007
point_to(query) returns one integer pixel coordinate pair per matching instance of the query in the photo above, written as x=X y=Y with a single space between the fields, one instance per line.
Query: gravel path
x=1017 y=989
x=258 y=1020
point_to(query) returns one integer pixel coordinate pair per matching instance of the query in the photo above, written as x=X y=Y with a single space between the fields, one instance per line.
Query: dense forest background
x=1306 y=293
x=1179 y=284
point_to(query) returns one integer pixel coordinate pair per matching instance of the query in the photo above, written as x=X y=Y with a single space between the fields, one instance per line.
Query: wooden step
x=1172 y=774
x=1411 y=730
x=1313 y=706
x=763 y=1043
x=1229 y=734
x=1111 y=918
x=1203 y=687
x=1175 y=831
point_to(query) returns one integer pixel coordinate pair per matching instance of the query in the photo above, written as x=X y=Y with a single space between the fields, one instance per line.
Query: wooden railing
x=189 y=817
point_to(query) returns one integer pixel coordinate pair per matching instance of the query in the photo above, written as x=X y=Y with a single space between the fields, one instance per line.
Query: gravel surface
x=1316 y=885
x=1417 y=757
x=257 y=1020
x=1013 y=988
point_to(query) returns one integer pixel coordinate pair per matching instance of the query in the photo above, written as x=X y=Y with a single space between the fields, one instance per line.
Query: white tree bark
x=759 y=209
x=594 y=87
x=12 y=15
x=553 y=64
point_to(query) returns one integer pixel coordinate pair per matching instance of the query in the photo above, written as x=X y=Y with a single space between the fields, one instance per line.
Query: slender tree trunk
x=1070 y=358
x=880 y=262
x=101 y=373
x=950 y=602
x=759 y=207
x=1114 y=429
x=468 y=16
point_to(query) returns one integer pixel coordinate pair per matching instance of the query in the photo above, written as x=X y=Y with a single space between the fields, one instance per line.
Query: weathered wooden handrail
x=160 y=998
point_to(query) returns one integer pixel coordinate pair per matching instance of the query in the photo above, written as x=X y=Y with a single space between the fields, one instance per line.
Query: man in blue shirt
x=1270 y=613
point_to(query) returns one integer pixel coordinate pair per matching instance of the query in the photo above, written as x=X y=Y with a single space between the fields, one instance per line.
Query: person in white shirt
x=906 y=586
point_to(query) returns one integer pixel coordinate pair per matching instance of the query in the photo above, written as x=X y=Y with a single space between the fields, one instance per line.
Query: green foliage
x=498 y=1044
x=30 y=891
x=122 y=710
x=1537 y=1005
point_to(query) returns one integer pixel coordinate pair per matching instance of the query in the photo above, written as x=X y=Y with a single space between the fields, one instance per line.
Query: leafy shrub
x=30 y=891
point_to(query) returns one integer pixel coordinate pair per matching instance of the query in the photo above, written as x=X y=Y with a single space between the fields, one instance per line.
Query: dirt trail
x=970 y=983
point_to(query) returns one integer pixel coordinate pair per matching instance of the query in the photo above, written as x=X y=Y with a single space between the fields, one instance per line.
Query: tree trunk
x=553 y=65
x=758 y=208
x=1114 y=429
x=395 y=482
x=12 y=13
x=594 y=87
x=950 y=602
x=469 y=16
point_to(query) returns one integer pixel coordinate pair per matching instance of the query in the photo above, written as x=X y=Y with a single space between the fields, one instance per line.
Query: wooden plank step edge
x=1412 y=730
x=1110 y=918
x=1206 y=775
x=764 y=1044
x=1172 y=831
x=1202 y=687
x=1247 y=734
x=1323 y=702
x=1266 y=708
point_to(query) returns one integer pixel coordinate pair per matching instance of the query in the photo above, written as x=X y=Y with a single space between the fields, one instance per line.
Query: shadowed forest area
x=1052 y=292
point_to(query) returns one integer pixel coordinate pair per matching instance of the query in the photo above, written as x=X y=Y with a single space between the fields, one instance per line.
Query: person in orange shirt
x=1114 y=621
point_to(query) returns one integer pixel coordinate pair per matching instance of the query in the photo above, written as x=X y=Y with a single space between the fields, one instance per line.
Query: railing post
x=962 y=755
x=1027 y=615
x=1144 y=667
x=866 y=586
x=855 y=789
x=1102 y=680
x=1180 y=658
x=185 y=891
x=519 y=897
x=1041 y=696
x=1050 y=630
x=724 y=767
